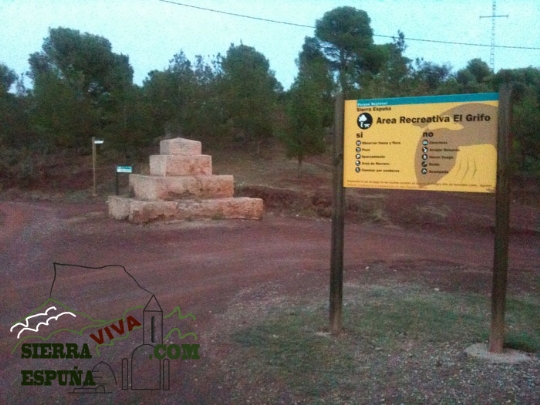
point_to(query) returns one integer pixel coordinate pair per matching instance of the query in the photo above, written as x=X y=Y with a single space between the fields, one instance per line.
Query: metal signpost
x=121 y=169
x=438 y=143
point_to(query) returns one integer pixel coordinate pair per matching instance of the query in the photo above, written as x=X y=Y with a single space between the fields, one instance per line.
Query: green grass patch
x=523 y=321
x=290 y=347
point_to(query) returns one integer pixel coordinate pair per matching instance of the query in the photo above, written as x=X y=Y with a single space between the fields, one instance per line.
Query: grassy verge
x=398 y=342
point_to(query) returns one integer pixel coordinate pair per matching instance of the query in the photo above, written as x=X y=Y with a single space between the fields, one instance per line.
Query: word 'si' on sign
x=444 y=143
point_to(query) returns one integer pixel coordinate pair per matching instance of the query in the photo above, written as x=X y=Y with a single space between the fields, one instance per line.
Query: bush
x=20 y=168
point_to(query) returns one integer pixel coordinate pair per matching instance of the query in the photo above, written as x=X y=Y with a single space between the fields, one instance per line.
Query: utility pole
x=493 y=16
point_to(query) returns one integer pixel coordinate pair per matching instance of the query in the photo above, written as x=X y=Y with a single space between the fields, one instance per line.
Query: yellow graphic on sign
x=444 y=143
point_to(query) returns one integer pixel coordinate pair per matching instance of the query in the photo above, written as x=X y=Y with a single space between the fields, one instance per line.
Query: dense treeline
x=83 y=89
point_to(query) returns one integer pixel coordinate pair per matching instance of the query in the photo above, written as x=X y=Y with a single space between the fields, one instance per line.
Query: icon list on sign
x=424 y=157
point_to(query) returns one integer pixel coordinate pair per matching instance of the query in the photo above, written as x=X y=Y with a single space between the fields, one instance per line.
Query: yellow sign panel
x=444 y=143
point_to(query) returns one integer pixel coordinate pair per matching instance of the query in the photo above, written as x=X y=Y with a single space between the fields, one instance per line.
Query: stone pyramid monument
x=181 y=186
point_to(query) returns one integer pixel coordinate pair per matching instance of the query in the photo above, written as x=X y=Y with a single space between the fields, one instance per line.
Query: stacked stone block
x=181 y=186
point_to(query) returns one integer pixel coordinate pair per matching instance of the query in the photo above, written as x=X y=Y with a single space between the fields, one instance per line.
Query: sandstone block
x=222 y=208
x=148 y=211
x=180 y=146
x=119 y=207
x=180 y=165
x=181 y=187
x=176 y=188
x=139 y=212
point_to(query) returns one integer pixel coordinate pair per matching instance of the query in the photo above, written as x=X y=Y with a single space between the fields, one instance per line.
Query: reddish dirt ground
x=202 y=267
x=441 y=240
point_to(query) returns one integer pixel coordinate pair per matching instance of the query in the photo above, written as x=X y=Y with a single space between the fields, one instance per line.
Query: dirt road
x=203 y=267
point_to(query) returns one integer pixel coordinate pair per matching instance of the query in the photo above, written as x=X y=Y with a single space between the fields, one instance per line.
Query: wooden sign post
x=502 y=221
x=338 y=223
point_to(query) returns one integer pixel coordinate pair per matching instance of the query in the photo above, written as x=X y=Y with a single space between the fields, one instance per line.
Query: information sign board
x=444 y=143
x=124 y=169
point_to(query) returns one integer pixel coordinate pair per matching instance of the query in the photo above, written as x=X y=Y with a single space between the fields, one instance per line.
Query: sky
x=151 y=32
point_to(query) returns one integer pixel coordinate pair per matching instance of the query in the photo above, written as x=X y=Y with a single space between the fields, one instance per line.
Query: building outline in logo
x=142 y=358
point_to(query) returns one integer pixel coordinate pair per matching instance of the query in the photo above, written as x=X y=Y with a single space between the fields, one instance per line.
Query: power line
x=310 y=26
x=238 y=15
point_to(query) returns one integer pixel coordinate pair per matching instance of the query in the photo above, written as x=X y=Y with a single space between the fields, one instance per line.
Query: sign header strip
x=453 y=98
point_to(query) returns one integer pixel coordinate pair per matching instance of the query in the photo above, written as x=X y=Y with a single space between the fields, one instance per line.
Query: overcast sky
x=150 y=32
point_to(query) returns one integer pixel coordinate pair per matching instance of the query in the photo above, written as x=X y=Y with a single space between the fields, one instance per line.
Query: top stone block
x=180 y=146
